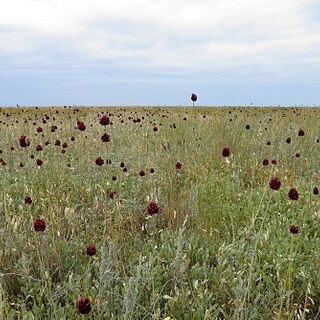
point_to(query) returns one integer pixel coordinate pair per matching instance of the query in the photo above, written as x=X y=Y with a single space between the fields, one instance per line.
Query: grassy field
x=159 y=213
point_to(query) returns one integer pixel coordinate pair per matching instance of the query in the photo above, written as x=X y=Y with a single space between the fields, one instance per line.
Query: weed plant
x=159 y=213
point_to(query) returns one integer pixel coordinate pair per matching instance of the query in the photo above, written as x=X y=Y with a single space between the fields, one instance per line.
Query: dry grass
x=219 y=249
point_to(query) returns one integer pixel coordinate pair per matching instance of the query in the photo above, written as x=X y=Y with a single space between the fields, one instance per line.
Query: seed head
x=275 y=183
x=24 y=141
x=142 y=173
x=225 y=152
x=153 y=208
x=39 y=147
x=39 y=225
x=99 y=161
x=293 y=194
x=91 y=250
x=178 y=165
x=81 y=126
x=294 y=229
x=83 y=305
x=104 y=120
x=27 y=200
x=105 y=137
x=112 y=194
x=194 y=97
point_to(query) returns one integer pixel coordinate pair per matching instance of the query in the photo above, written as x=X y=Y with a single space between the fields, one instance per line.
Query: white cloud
x=202 y=16
x=163 y=33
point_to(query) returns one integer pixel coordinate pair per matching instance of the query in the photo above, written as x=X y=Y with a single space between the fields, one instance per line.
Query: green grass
x=219 y=249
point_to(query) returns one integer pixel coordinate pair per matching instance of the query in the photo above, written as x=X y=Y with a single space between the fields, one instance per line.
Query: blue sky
x=143 y=52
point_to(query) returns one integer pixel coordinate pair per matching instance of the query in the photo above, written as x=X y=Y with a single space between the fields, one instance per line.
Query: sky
x=144 y=52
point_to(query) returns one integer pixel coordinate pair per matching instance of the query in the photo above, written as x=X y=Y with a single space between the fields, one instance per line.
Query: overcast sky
x=144 y=52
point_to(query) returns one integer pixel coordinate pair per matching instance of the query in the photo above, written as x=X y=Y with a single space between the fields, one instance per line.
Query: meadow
x=159 y=213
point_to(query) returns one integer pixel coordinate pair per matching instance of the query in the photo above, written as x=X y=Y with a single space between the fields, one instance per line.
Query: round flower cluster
x=39 y=225
x=225 y=152
x=275 y=183
x=83 y=305
x=153 y=208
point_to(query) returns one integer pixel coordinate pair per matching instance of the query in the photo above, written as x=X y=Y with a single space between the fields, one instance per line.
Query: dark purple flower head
x=294 y=229
x=39 y=147
x=268 y=143
x=57 y=143
x=39 y=225
x=275 y=183
x=27 y=200
x=293 y=194
x=194 y=97
x=153 y=208
x=39 y=162
x=81 y=126
x=247 y=126
x=142 y=173
x=39 y=129
x=114 y=178
x=225 y=152
x=288 y=140
x=274 y=161
x=265 y=162
x=99 y=161
x=105 y=137
x=104 y=120
x=112 y=194
x=297 y=154
x=91 y=250
x=315 y=191
x=300 y=133
x=83 y=305
x=24 y=141
x=151 y=170
x=178 y=165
